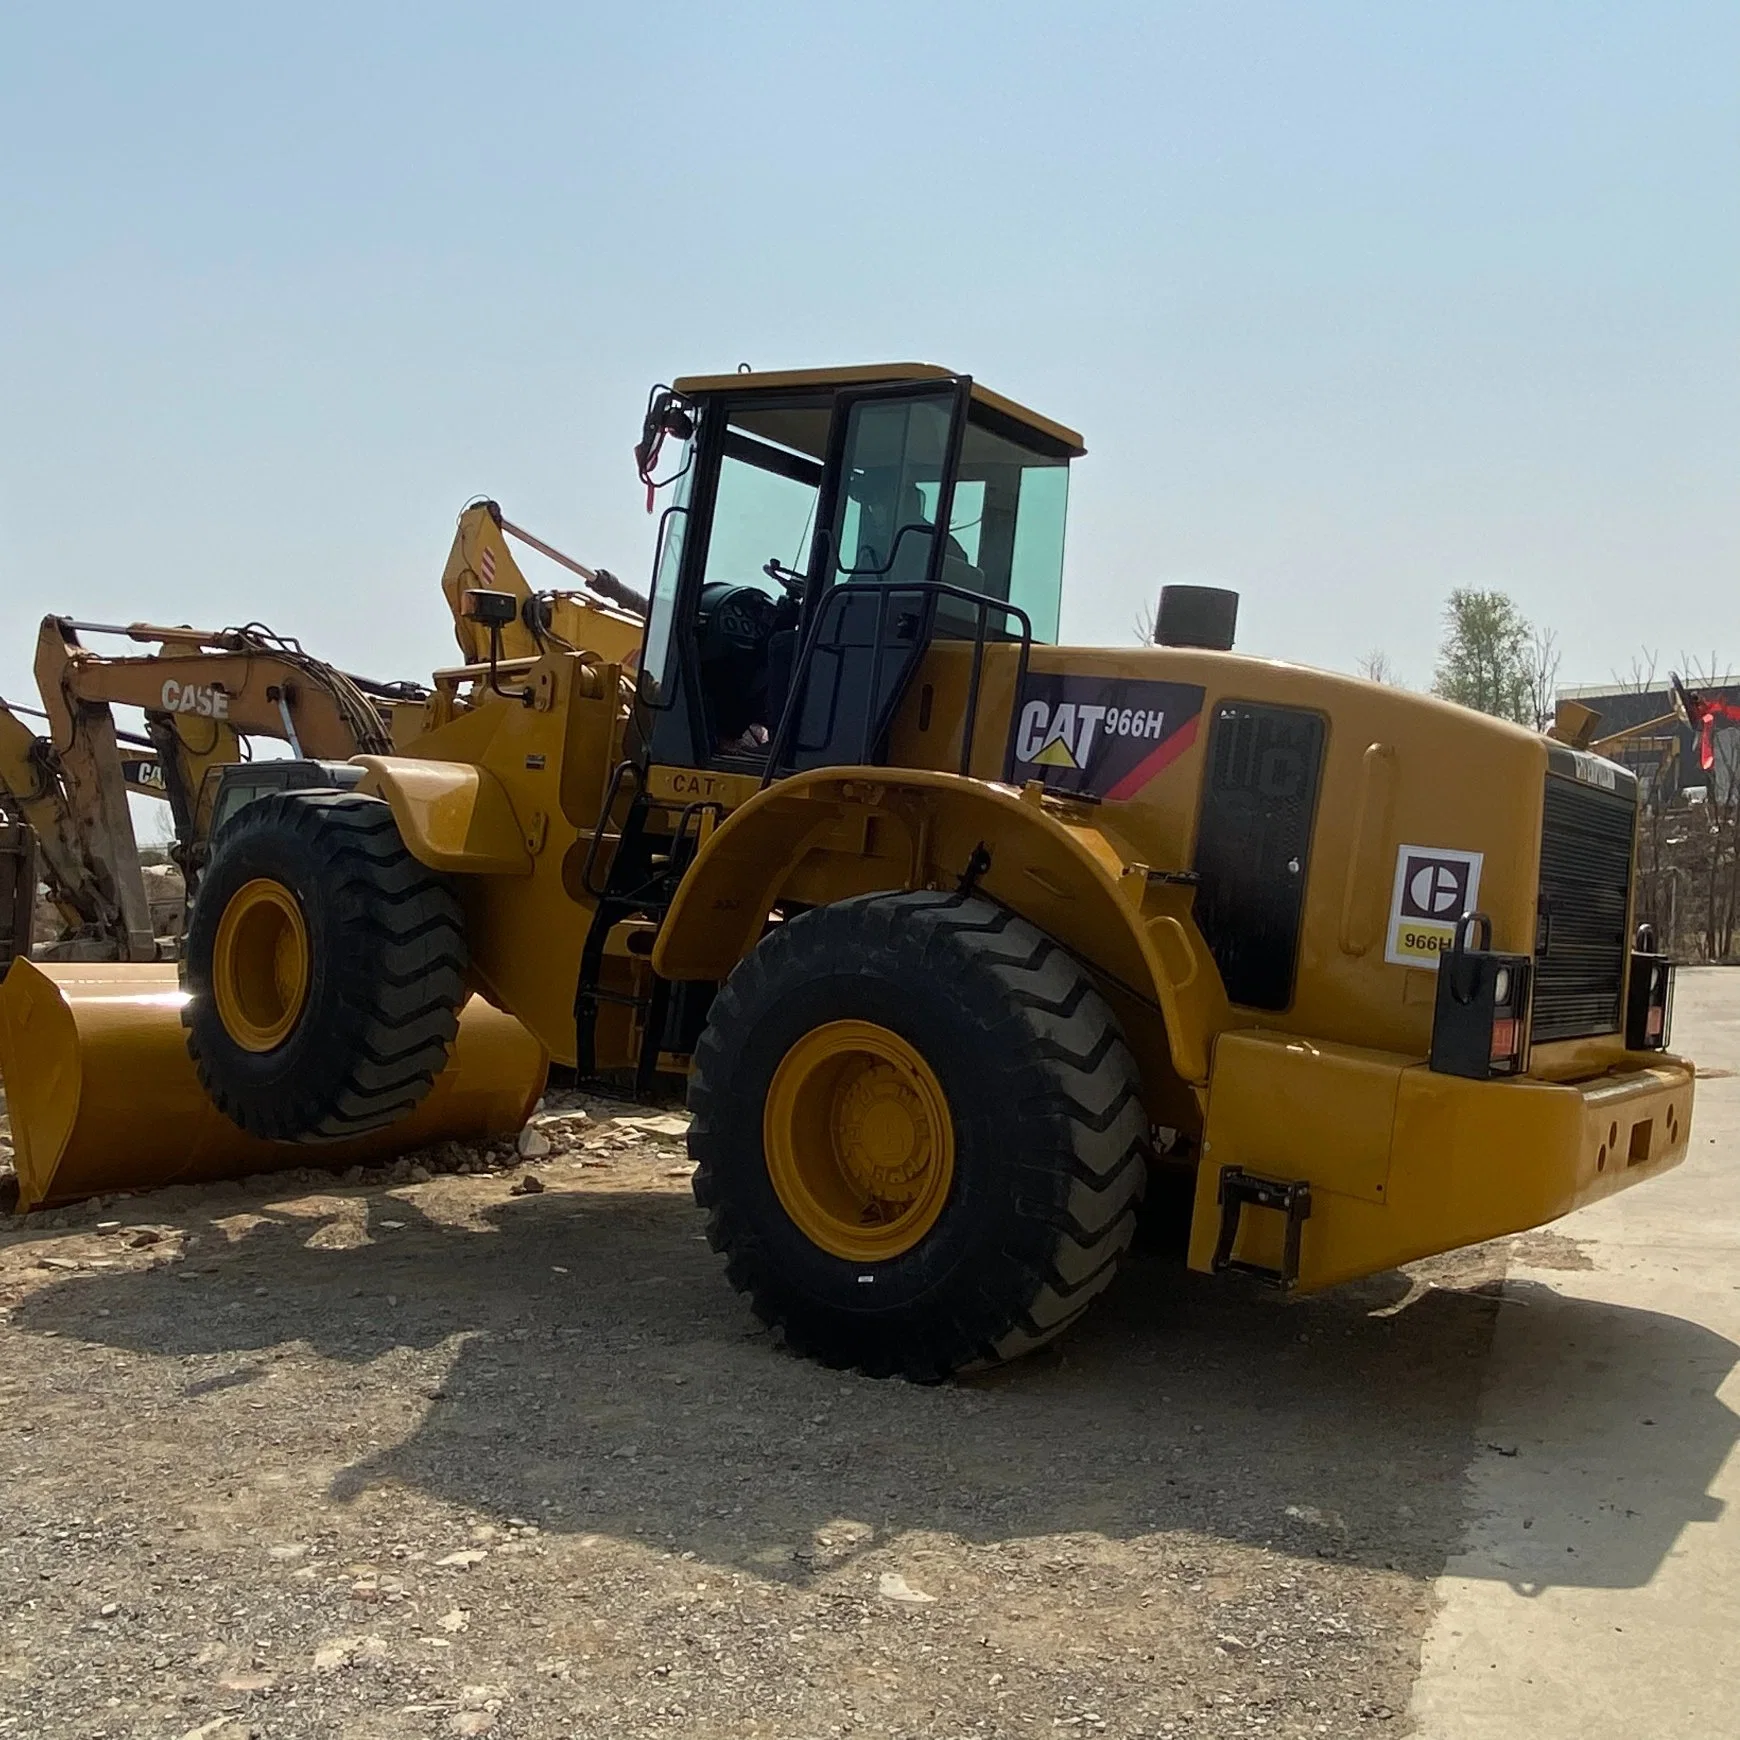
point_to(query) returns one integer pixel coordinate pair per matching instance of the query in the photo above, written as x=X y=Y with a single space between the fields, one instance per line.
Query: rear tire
x=357 y=960
x=1049 y=1137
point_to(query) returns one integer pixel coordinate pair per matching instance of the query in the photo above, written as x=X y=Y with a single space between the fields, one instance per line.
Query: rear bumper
x=1404 y=1163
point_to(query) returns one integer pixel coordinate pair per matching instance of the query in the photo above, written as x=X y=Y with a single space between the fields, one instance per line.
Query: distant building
x=1665 y=759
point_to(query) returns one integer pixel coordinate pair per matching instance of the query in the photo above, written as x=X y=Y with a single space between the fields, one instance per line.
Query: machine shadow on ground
x=604 y=1379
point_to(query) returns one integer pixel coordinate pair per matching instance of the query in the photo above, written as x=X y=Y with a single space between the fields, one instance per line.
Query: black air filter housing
x=1204 y=616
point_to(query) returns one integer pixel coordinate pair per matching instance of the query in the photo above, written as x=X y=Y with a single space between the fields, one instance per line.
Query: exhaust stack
x=1200 y=616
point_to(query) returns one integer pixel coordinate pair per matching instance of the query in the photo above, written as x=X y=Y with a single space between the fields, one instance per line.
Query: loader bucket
x=102 y=1094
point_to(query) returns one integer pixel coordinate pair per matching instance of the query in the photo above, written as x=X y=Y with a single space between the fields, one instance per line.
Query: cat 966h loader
x=960 y=934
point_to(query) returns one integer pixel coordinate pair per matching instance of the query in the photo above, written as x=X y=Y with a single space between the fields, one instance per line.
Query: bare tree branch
x=1541 y=664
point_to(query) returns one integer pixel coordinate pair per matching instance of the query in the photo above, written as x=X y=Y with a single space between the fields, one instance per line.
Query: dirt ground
x=378 y=1458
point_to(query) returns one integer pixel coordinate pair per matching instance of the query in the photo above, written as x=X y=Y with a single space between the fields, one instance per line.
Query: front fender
x=805 y=839
x=453 y=815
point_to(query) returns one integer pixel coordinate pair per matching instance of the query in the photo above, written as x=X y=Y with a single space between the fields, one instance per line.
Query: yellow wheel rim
x=259 y=965
x=859 y=1141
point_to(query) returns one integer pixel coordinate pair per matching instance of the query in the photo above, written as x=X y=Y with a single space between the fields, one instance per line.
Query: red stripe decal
x=1155 y=762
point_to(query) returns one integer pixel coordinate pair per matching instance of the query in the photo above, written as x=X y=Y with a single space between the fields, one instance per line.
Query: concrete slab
x=1598 y=1590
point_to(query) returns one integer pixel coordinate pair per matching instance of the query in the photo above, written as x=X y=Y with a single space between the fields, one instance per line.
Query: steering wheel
x=789 y=578
x=735 y=621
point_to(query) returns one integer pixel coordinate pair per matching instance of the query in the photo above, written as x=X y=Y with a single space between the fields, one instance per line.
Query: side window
x=1006 y=532
x=759 y=516
x=655 y=657
x=1036 y=547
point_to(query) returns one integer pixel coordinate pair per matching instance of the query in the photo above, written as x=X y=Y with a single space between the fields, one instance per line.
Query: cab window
x=761 y=529
x=895 y=451
x=764 y=511
x=1006 y=531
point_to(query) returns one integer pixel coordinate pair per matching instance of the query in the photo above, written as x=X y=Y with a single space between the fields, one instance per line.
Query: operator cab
x=821 y=529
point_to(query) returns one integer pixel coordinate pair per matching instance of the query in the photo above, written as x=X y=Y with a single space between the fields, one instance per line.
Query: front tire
x=325 y=968
x=917 y=1133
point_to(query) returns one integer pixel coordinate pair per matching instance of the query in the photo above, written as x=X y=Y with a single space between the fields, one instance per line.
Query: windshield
x=764 y=511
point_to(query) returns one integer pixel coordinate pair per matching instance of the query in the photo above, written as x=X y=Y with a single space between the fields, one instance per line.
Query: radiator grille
x=1580 y=942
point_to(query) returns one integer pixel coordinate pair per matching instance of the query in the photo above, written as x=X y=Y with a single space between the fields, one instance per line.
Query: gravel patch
x=482 y=1443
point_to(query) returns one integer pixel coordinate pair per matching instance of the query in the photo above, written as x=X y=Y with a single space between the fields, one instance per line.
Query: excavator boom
x=202 y=692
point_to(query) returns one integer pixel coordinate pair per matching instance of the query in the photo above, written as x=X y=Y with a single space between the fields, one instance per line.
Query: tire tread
x=1078 y=1188
x=403 y=975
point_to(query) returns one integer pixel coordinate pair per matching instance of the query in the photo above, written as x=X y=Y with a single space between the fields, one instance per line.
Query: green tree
x=1490 y=658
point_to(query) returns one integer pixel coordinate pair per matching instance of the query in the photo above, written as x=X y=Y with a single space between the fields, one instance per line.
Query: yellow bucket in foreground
x=102 y=1094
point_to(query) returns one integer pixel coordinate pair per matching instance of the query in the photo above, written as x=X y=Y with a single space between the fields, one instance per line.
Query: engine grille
x=1581 y=949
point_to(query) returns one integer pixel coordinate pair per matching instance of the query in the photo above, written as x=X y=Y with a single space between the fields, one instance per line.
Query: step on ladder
x=645 y=873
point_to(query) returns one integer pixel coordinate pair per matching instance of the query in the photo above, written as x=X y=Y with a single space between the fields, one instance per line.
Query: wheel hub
x=859 y=1141
x=260 y=965
x=882 y=1133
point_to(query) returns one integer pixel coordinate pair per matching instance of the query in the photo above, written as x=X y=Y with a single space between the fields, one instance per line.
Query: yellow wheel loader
x=960 y=934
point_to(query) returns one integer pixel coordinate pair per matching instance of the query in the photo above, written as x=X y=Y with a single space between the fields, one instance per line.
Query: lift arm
x=601 y=613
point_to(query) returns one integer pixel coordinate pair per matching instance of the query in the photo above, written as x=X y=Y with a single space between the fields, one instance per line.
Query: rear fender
x=828 y=834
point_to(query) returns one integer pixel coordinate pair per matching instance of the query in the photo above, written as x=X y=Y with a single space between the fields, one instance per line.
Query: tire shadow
x=1339 y=1427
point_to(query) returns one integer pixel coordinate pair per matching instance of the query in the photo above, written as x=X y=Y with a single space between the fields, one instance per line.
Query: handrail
x=612 y=791
x=874 y=725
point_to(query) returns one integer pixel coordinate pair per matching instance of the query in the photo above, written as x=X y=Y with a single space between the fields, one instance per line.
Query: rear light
x=1649 y=997
x=1480 y=1022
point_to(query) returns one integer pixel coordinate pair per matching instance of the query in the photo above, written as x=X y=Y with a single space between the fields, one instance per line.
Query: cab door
x=879 y=553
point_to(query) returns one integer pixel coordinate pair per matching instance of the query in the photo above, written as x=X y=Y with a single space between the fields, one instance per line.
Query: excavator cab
x=822 y=530
x=226 y=789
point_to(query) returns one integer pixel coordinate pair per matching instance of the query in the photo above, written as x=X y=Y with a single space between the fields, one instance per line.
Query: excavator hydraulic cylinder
x=102 y=1095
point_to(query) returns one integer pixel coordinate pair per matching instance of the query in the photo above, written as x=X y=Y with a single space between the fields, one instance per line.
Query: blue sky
x=1353 y=304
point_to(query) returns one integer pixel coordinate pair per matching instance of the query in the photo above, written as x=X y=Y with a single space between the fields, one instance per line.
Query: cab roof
x=870 y=375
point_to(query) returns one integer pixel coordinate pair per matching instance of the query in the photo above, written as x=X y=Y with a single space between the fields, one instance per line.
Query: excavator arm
x=202 y=692
x=81 y=877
